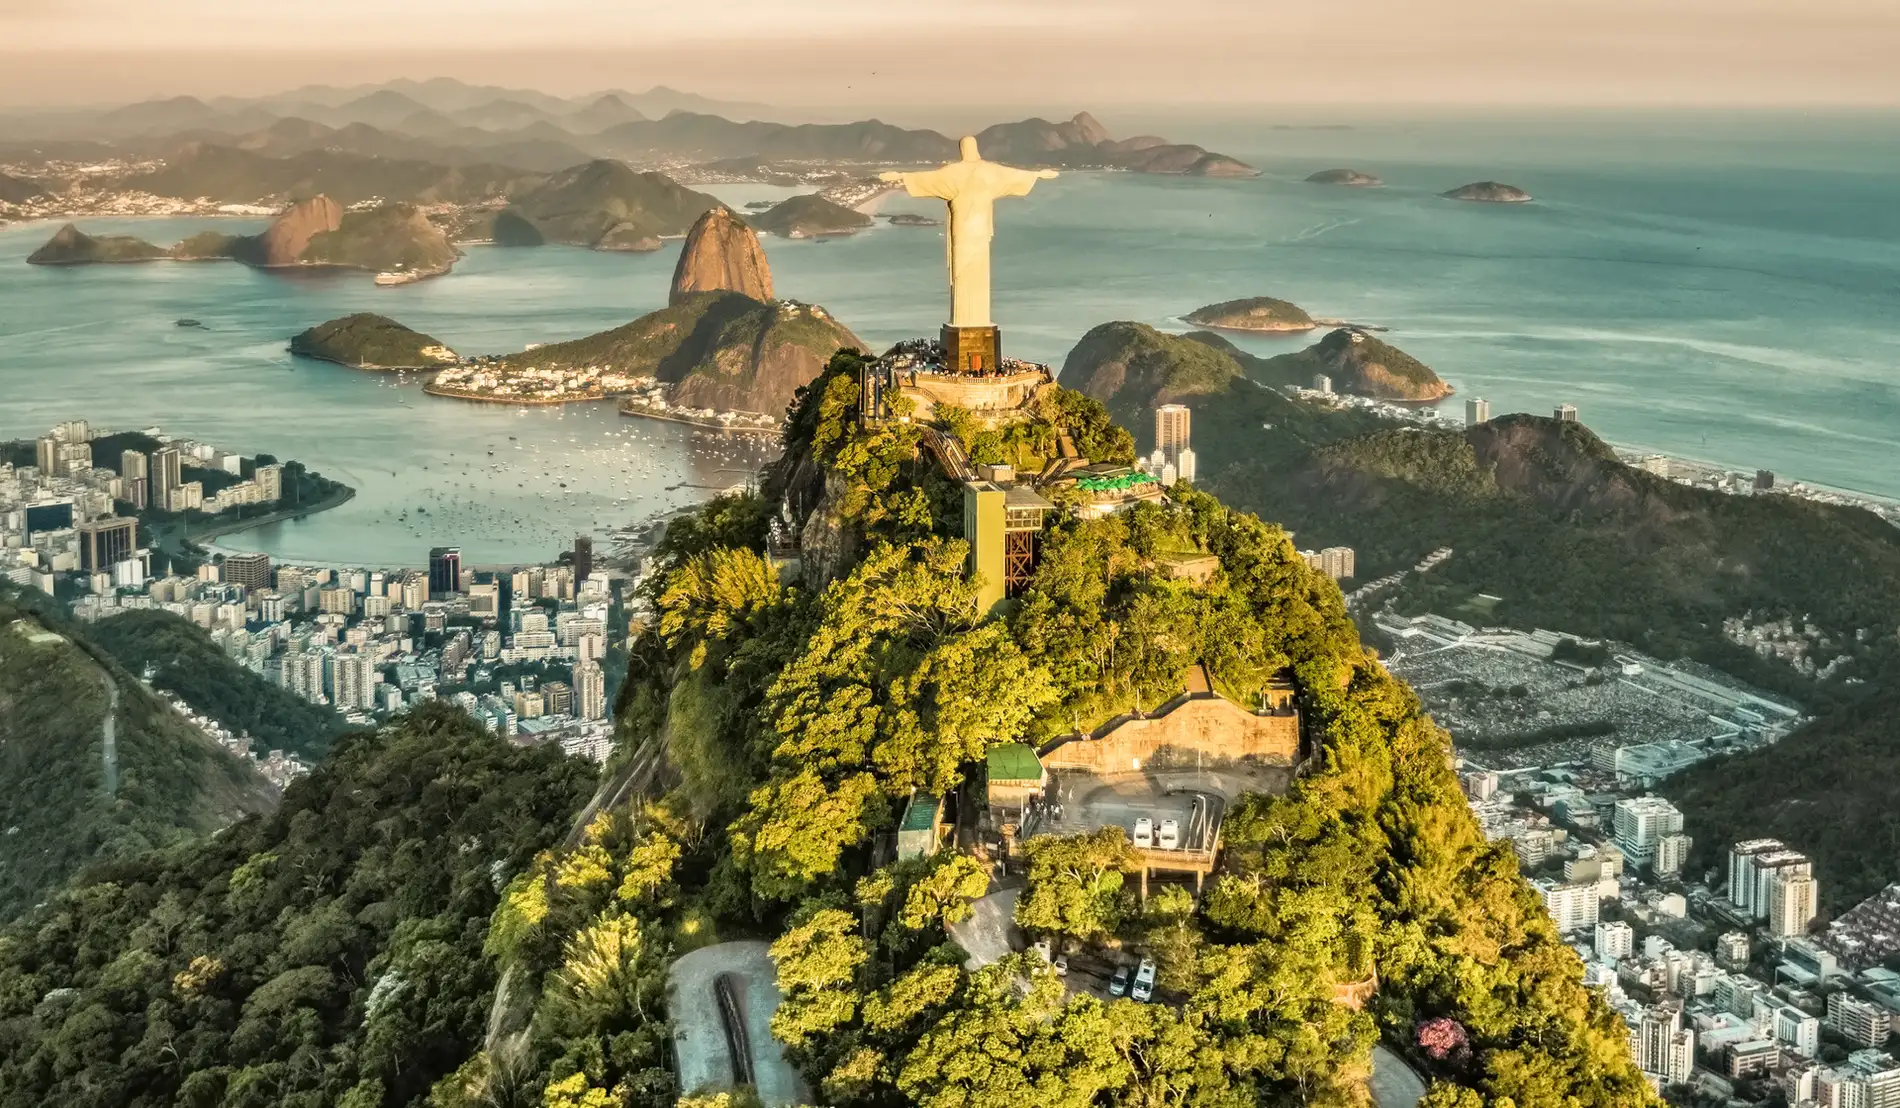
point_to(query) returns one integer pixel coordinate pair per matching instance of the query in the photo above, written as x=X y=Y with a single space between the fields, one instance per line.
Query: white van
x=1144 y=989
x=1144 y=832
x=1170 y=835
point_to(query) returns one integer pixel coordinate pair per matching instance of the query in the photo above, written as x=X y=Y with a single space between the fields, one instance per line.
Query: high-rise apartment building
x=1741 y=870
x=1565 y=413
x=1792 y=903
x=590 y=691
x=1615 y=939
x=1641 y=822
x=105 y=542
x=1172 y=426
x=250 y=570
x=445 y=571
x=1672 y=853
x=1665 y=1049
x=46 y=456
x=557 y=698
x=1477 y=410
x=1337 y=562
x=1322 y=384
x=1862 y=1023
x=1573 y=904
x=1774 y=865
x=583 y=559
x=166 y=474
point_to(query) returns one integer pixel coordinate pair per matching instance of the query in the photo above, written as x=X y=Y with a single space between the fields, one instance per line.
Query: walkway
x=109 y=732
x=1394 y=1084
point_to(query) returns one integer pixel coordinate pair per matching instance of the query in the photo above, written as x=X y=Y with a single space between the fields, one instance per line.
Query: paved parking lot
x=699 y=1036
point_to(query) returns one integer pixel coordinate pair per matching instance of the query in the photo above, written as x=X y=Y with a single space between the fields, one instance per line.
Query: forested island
x=1490 y=192
x=370 y=341
x=1254 y=313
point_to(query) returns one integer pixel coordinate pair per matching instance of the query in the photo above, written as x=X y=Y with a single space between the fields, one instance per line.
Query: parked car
x=1118 y=983
x=1144 y=832
x=1170 y=838
x=1144 y=989
x=1062 y=965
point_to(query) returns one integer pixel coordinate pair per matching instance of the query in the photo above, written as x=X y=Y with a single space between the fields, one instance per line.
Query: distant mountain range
x=448 y=123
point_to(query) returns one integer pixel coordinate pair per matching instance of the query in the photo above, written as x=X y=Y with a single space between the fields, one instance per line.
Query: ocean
x=1722 y=288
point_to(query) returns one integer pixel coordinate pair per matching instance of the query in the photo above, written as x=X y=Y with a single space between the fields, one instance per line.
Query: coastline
x=702 y=424
x=515 y=401
x=239 y=525
x=295 y=353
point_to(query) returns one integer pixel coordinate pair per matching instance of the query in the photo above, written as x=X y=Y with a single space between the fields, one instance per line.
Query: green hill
x=723 y=351
x=185 y=662
x=1357 y=361
x=395 y=237
x=370 y=341
x=327 y=954
x=61 y=808
x=607 y=206
x=71 y=246
x=810 y=216
x=804 y=714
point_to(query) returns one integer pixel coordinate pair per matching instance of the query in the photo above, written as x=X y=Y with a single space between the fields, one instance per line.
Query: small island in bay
x=1489 y=192
x=71 y=246
x=393 y=239
x=1254 y=313
x=810 y=216
x=370 y=341
x=911 y=219
x=1352 y=178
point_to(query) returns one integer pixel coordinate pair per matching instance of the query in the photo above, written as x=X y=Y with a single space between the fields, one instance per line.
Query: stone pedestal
x=972 y=349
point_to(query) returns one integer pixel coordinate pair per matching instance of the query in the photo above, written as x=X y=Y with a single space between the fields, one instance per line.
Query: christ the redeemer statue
x=970 y=187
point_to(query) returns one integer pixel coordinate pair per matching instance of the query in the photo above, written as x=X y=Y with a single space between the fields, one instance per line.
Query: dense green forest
x=800 y=713
x=413 y=926
x=184 y=661
x=56 y=812
x=1543 y=516
x=326 y=954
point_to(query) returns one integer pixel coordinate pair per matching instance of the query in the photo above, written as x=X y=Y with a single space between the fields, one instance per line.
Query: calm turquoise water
x=1726 y=290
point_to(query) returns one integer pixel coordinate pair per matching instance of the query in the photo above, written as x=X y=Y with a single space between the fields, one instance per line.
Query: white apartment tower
x=1641 y=822
x=1741 y=870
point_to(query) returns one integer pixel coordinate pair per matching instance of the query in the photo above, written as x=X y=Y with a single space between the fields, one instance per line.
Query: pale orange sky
x=882 y=54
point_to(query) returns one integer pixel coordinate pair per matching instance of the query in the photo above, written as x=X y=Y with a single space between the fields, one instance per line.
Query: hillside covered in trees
x=414 y=927
x=65 y=802
x=327 y=954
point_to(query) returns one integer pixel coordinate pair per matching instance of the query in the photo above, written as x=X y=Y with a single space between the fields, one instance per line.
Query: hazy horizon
x=862 y=56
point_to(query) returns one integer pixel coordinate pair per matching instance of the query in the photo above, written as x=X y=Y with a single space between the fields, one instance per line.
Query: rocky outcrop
x=1489 y=192
x=285 y=240
x=754 y=357
x=721 y=254
x=1352 y=178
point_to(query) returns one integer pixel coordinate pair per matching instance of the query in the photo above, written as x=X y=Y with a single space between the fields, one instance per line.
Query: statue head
x=966 y=146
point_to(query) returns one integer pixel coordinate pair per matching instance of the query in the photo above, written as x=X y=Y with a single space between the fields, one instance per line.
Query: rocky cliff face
x=751 y=357
x=721 y=254
x=284 y=241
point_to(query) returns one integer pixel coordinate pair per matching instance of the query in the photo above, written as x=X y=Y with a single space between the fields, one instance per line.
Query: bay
x=1724 y=289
